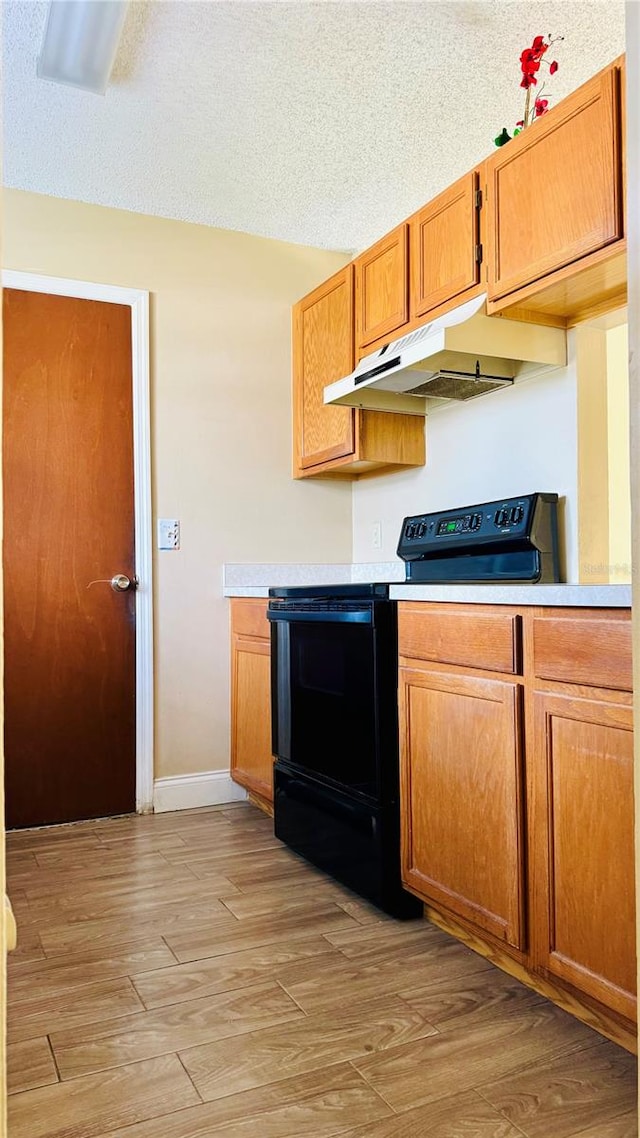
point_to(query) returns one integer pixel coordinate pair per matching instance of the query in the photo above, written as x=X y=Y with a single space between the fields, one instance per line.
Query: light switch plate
x=168 y=533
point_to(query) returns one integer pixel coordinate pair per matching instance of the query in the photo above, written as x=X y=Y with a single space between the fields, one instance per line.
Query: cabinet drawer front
x=574 y=155
x=583 y=650
x=249 y=618
x=443 y=240
x=382 y=287
x=464 y=636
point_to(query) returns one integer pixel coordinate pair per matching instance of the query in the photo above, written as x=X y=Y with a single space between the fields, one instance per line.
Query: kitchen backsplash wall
x=506 y=443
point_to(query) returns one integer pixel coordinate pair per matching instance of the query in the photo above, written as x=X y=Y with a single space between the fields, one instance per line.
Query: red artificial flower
x=530 y=60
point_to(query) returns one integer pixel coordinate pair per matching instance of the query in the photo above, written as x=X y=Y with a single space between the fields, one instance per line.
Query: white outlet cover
x=168 y=533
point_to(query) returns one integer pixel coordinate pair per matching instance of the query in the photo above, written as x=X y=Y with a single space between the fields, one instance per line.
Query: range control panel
x=489 y=520
x=514 y=538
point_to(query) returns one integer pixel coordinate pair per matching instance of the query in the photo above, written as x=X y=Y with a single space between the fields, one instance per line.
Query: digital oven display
x=454 y=525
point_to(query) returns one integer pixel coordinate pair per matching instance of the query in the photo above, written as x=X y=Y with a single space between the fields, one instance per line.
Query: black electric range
x=334 y=681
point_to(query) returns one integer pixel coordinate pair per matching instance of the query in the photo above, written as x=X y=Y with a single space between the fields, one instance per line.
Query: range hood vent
x=459 y=356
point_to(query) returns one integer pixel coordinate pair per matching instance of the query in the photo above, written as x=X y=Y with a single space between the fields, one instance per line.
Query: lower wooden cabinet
x=517 y=795
x=462 y=797
x=585 y=929
x=251 y=758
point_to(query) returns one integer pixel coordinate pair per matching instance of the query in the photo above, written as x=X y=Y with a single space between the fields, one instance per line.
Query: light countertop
x=254 y=580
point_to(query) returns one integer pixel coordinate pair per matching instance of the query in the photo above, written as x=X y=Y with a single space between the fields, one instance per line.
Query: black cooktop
x=363 y=591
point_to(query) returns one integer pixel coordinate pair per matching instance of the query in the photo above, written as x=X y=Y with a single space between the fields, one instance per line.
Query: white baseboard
x=185 y=792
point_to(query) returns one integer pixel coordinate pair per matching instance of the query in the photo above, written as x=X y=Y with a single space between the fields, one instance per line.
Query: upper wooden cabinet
x=538 y=226
x=322 y=353
x=339 y=440
x=444 y=246
x=555 y=191
x=382 y=301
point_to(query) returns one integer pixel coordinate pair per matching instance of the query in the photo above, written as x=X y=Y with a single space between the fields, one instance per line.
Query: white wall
x=503 y=444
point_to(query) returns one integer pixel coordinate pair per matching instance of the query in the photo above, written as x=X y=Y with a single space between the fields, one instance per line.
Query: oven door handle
x=345 y=616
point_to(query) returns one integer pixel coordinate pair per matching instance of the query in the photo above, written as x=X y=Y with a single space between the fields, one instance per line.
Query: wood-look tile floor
x=185 y=976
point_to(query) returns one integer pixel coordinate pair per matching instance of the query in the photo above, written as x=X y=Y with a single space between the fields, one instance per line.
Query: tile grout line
x=364 y=1078
x=179 y=1058
x=168 y=946
x=292 y=998
x=500 y=1114
x=55 y=1061
x=409 y=1005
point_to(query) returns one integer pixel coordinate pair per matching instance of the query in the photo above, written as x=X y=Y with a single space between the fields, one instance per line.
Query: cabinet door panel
x=251 y=758
x=555 y=190
x=461 y=797
x=443 y=241
x=322 y=353
x=382 y=287
x=585 y=750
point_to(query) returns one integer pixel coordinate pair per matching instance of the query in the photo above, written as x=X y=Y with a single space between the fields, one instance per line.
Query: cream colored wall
x=618 y=454
x=592 y=456
x=221 y=429
x=604 y=511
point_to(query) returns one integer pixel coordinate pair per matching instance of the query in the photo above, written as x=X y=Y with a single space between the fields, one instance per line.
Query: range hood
x=458 y=356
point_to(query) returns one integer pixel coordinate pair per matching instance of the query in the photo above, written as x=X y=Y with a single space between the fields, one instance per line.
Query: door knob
x=121 y=583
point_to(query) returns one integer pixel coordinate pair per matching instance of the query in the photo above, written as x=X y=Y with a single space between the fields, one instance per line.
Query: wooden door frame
x=138 y=301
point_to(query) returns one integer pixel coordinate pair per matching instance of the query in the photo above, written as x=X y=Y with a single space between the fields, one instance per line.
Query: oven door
x=324 y=695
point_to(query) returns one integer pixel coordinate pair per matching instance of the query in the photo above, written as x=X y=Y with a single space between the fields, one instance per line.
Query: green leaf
x=502 y=138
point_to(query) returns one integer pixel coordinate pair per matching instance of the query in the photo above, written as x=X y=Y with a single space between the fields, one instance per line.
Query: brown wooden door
x=444 y=243
x=461 y=776
x=322 y=353
x=68 y=522
x=555 y=191
x=382 y=287
x=583 y=819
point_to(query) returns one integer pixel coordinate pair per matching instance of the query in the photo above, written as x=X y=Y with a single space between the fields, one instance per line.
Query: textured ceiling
x=323 y=123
